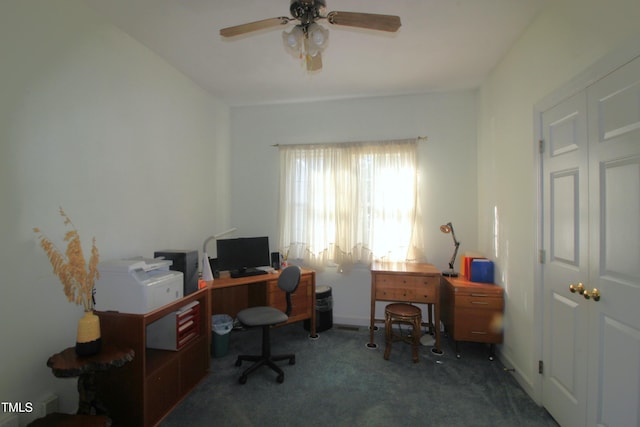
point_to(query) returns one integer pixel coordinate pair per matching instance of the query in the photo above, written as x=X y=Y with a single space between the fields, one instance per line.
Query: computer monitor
x=243 y=252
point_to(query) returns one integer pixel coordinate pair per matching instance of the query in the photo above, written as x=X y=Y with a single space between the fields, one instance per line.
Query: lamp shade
x=318 y=36
x=293 y=40
x=207 y=274
x=306 y=41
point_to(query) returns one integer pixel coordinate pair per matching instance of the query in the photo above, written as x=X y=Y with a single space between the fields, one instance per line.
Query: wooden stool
x=400 y=313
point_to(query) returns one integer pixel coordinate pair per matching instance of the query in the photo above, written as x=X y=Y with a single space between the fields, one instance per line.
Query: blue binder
x=482 y=271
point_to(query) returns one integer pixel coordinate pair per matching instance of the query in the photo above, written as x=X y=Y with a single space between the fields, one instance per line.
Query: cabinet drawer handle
x=479 y=295
x=479 y=332
x=480 y=302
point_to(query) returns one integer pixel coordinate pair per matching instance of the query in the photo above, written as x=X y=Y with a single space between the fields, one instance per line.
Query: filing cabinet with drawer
x=472 y=312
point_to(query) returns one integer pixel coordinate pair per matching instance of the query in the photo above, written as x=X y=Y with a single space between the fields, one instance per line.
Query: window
x=348 y=203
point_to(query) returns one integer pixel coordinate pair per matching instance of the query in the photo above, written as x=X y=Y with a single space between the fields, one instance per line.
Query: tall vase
x=88 y=340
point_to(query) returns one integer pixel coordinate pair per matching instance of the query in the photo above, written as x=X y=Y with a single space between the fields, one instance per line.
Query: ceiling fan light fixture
x=318 y=35
x=307 y=43
x=310 y=49
x=307 y=40
x=293 y=39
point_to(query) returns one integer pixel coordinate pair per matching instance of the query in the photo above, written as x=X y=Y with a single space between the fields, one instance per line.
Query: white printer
x=137 y=285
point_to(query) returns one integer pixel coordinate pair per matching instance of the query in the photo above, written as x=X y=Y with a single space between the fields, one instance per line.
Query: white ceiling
x=441 y=45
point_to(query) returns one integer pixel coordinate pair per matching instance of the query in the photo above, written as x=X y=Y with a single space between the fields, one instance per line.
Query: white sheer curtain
x=348 y=203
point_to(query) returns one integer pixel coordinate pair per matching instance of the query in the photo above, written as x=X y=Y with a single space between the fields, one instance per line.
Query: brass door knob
x=595 y=294
x=579 y=288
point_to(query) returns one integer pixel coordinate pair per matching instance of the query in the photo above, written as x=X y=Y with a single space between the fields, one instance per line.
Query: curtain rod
x=419 y=139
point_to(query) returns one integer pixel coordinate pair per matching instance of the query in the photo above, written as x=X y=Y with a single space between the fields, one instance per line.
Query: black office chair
x=268 y=317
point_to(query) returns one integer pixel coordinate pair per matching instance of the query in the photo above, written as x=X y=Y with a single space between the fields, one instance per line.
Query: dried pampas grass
x=78 y=280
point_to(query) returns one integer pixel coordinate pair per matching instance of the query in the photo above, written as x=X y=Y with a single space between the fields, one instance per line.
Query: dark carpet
x=338 y=381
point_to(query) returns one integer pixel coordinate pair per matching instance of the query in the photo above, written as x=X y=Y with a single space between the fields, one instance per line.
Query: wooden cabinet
x=302 y=300
x=145 y=390
x=472 y=312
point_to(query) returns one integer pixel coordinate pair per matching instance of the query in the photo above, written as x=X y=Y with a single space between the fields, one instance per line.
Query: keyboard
x=247 y=272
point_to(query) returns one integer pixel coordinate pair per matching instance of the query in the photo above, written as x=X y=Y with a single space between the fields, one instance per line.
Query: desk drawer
x=418 y=289
x=300 y=299
x=478 y=302
x=422 y=295
x=478 y=326
x=394 y=280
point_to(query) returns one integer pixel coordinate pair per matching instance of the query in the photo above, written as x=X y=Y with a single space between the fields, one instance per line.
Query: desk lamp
x=448 y=228
x=207 y=274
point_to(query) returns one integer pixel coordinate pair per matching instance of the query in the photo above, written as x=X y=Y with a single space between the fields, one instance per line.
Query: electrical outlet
x=49 y=405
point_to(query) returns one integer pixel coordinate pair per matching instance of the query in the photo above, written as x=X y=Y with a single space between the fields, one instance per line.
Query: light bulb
x=318 y=38
x=293 y=40
x=318 y=35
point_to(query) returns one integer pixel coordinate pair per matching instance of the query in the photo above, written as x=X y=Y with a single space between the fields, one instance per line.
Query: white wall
x=567 y=37
x=447 y=170
x=137 y=155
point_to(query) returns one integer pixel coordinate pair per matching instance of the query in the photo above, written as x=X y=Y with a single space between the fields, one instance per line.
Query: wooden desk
x=406 y=282
x=230 y=295
x=144 y=391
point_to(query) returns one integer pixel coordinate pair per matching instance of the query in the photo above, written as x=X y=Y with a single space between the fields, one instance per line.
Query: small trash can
x=324 y=309
x=221 y=325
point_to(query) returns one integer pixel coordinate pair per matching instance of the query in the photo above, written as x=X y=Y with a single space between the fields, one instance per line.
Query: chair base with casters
x=266 y=318
x=265 y=358
x=401 y=313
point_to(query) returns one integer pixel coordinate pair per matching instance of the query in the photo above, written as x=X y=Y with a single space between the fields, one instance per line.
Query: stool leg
x=387 y=336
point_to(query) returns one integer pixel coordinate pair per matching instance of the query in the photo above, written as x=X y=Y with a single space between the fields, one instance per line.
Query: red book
x=467 y=265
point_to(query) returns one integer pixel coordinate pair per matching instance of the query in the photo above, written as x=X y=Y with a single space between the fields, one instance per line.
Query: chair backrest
x=288 y=282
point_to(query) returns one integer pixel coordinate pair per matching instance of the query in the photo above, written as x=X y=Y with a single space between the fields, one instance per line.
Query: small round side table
x=67 y=364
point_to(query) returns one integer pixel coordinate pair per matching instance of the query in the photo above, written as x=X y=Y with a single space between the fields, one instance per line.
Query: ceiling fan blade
x=314 y=63
x=370 y=21
x=253 y=26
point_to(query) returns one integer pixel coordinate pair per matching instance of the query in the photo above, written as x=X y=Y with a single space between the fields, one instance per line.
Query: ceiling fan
x=307 y=39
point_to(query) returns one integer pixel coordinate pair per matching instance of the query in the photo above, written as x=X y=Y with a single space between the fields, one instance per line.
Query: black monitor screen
x=244 y=252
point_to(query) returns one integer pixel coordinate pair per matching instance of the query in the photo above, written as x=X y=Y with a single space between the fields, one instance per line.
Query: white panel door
x=591 y=214
x=614 y=211
x=565 y=202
